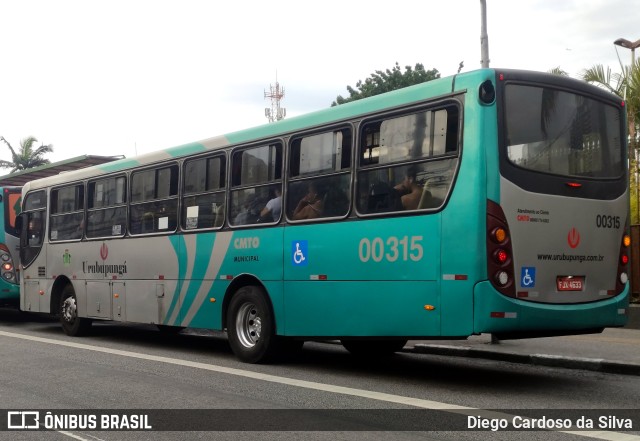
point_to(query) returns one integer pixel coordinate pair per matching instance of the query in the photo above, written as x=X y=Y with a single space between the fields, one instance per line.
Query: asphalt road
x=196 y=380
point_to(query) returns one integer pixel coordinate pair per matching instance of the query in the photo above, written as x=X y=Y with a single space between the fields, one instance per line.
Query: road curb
x=633 y=321
x=589 y=364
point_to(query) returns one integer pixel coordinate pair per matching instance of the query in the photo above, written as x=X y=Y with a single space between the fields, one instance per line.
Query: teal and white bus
x=10 y=203
x=494 y=201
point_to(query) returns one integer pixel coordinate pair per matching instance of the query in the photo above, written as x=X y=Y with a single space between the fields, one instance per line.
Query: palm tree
x=558 y=71
x=627 y=86
x=26 y=157
x=613 y=82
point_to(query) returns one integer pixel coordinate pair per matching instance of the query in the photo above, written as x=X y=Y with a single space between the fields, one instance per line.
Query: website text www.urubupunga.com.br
x=580 y=258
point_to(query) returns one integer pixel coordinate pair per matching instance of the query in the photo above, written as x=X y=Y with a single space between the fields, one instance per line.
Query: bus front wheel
x=251 y=326
x=72 y=324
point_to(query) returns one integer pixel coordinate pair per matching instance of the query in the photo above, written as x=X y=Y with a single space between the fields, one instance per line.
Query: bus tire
x=371 y=348
x=72 y=324
x=251 y=326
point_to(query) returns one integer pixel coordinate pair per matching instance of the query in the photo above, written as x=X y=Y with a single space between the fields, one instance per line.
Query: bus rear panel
x=564 y=202
x=9 y=246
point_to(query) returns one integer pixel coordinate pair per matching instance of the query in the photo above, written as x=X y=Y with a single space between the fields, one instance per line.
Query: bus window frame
x=231 y=188
x=350 y=171
x=51 y=214
x=24 y=239
x=88 y=210
x=548 y=183
x=224 y=154
x=176 y=197
x=8 y=228
x=457 y=101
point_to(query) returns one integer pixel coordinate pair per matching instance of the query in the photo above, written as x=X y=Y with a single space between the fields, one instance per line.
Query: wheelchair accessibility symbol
x=528 y=277
x=299 y=250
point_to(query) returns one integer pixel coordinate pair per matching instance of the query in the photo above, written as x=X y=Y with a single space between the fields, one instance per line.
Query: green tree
x=26 y=156
x=633 y=98
x=386 y=81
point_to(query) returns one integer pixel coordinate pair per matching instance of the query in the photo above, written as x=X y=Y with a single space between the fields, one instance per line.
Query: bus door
x=32 y=260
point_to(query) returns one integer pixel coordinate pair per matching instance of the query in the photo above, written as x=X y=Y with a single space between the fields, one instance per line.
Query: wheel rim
x=248 y=325
x=69 y=310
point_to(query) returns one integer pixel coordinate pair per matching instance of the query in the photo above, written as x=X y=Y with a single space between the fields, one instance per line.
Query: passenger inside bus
x=219 y=219
x=336 y=200
x=271 y=211
x=34 y=231
x=410 y=191
x=311 y=205
x=247 y=214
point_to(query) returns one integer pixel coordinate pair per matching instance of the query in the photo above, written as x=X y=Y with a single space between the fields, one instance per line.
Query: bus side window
x=154 y=200
x=204 y=193
x=67 y=213
x=106 y=208
x=320 y=176
x=407 y=162
x=256 y=174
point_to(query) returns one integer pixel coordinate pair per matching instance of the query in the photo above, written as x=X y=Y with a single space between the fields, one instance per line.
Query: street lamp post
x=623 y=42
x=484 y=37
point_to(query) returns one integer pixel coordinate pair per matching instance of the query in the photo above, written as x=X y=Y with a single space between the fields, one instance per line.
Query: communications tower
x=276 y=93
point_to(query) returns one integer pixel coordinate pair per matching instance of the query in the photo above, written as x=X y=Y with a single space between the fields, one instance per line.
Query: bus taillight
x=7 y=271
x=501 y=256
x=499 y=252
x=499 y=235
x=502 y=277
x=623 y=275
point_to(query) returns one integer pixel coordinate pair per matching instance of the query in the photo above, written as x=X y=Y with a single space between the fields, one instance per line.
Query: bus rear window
x=12 y=206
x=553 y=131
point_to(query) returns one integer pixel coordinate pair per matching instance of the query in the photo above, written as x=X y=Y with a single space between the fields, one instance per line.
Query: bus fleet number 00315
x=392 y=249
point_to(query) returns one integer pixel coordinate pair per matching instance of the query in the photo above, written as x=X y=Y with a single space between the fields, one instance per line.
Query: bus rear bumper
x=512 y=318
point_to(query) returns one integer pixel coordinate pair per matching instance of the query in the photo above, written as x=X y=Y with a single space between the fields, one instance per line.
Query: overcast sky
x=124 y=77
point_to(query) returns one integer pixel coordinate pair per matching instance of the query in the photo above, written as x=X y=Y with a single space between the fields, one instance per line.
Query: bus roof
x=397 y=98
x=336 y=114
x=19 y=178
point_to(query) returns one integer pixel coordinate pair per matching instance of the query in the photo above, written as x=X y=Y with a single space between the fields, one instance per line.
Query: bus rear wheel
x=370 y=348
x=251 y=326
x=72 y=324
